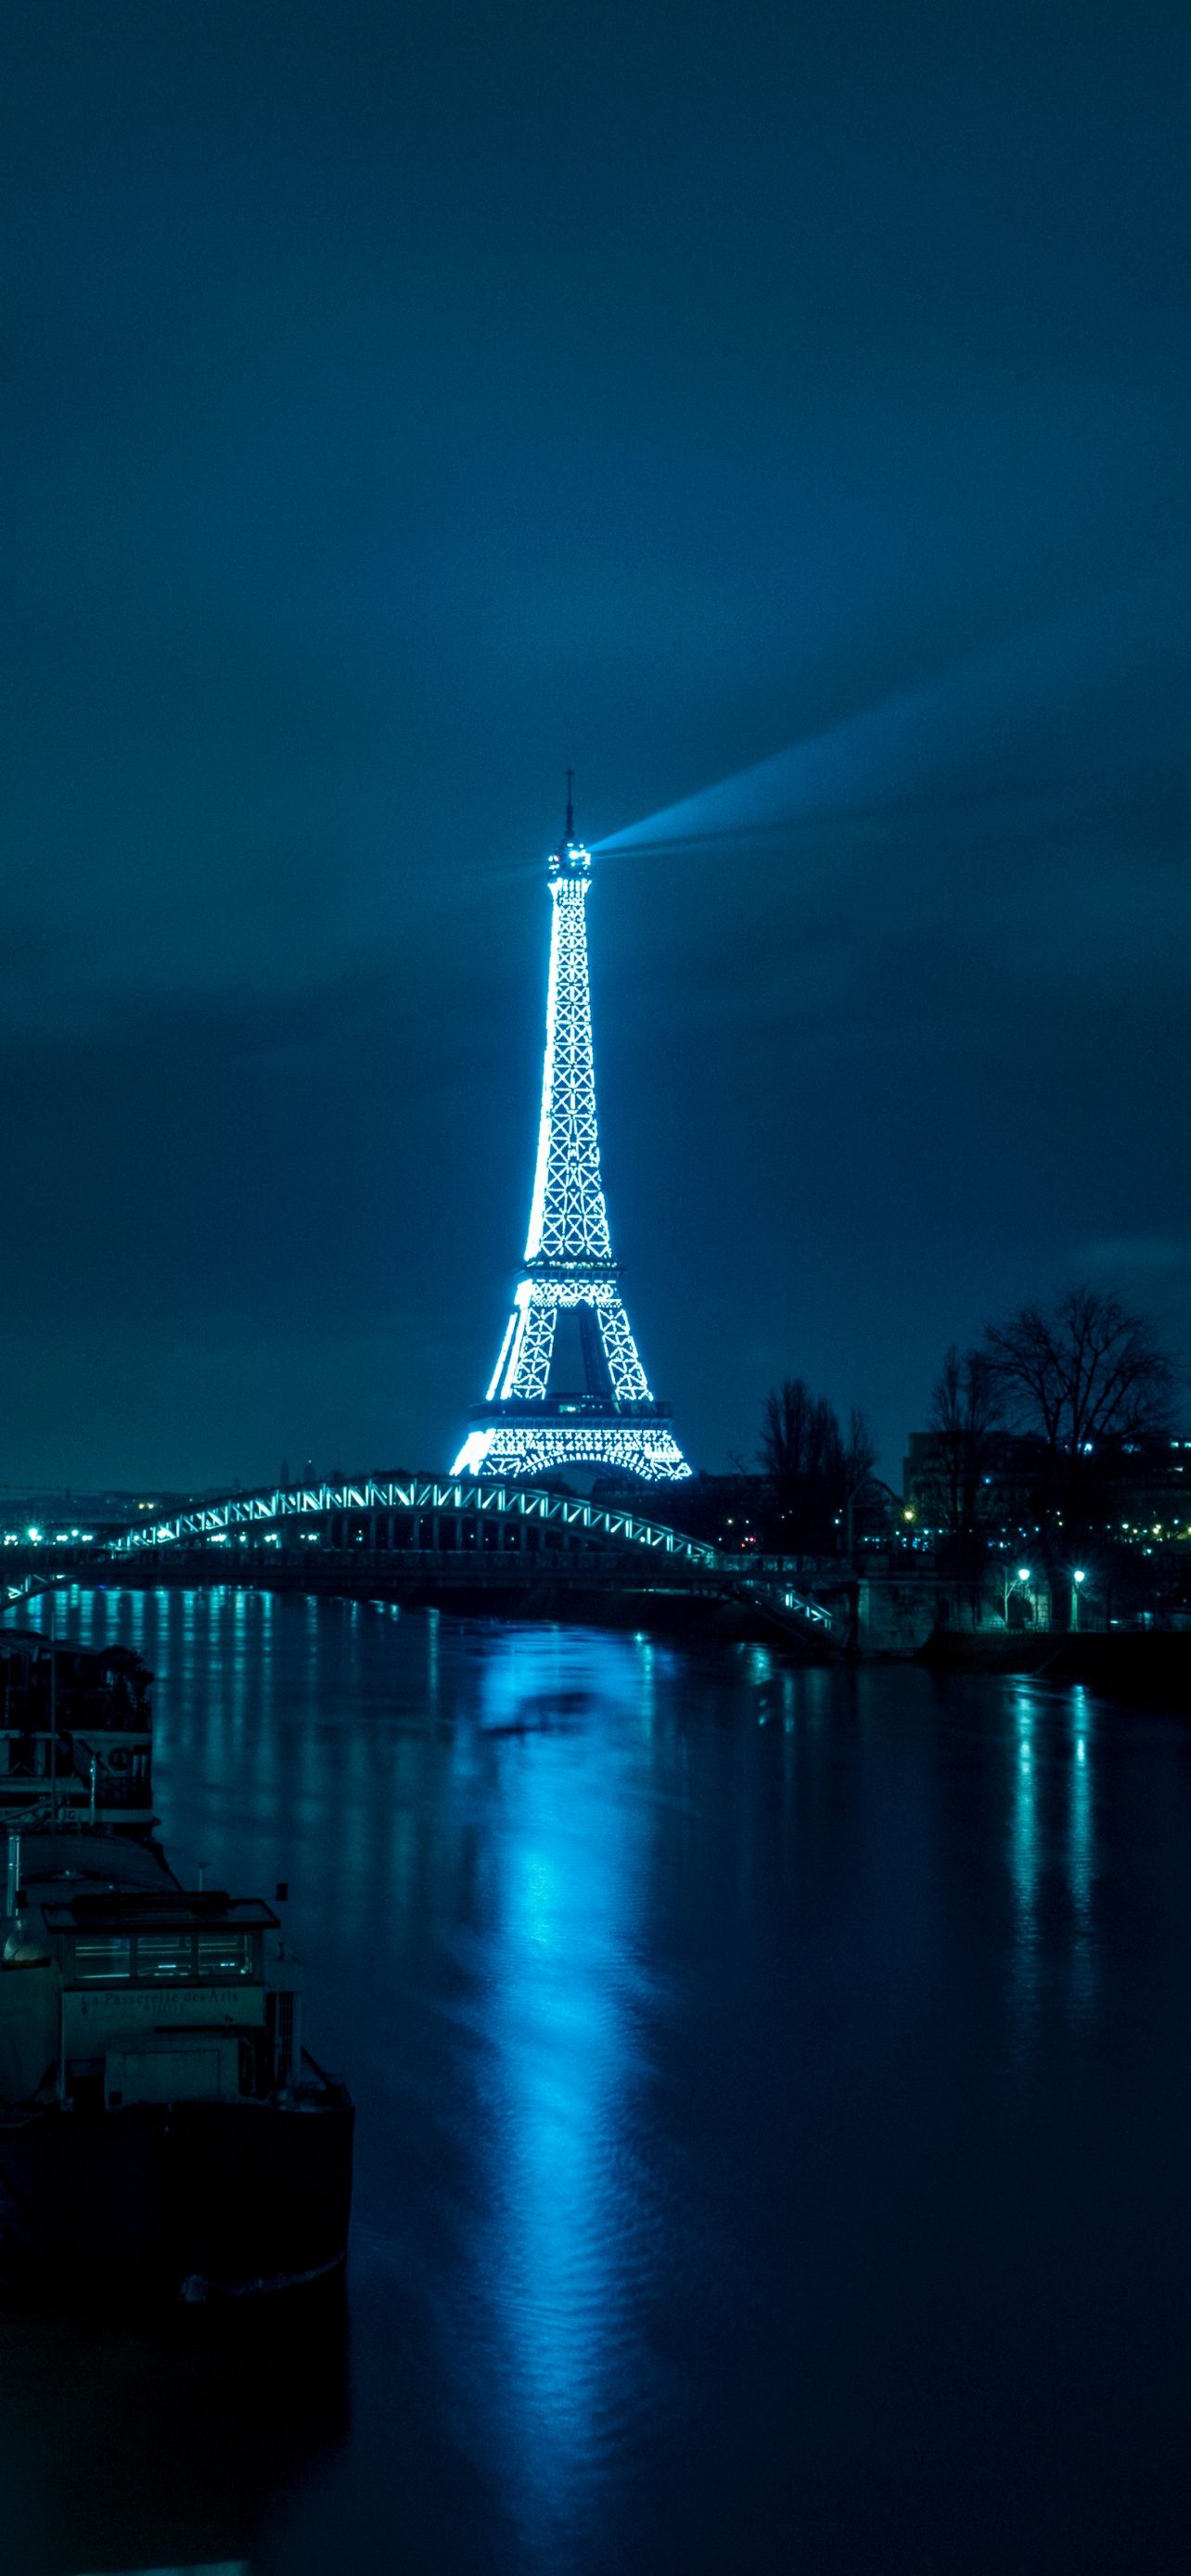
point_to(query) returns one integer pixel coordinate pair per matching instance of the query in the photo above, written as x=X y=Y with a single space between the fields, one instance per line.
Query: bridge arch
x=381 y=1499
x=445 y=1520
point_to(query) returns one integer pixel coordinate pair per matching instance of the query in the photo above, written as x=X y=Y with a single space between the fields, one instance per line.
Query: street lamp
x=1019 y=1584
x=1078 y=1576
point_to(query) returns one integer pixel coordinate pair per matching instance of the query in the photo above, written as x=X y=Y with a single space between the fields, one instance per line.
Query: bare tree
x=965 y=1409
x=815 y=1476
x=858 y=1461
x=1083 y=1375
x=797 y=1442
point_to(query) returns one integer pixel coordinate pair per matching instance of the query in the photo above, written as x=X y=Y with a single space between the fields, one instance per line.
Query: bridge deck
x=465 y=1535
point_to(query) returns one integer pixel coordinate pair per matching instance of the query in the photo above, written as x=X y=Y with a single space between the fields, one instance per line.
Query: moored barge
x=163 y=2131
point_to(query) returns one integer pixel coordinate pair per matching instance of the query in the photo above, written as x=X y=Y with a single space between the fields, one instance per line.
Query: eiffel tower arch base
x=541 y=1448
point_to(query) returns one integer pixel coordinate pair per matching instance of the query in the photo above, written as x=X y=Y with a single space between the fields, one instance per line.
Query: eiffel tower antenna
x=523 y=1428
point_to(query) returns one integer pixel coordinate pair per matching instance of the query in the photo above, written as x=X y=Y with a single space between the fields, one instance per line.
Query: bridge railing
x=413 y=1494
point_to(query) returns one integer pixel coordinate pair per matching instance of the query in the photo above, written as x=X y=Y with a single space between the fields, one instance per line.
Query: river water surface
x=774 y=2113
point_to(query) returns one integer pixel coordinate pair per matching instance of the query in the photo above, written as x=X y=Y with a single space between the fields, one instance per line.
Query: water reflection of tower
x=562 y=2012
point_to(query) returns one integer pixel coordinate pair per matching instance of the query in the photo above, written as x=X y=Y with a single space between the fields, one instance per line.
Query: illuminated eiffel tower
x=524 y=1428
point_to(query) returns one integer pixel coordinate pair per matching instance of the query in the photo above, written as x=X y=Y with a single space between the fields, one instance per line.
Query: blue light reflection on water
x=1026 y=1859
x=1053 y=1860
x=771 y=2137
x=1082 y=1848
x=564 y=2002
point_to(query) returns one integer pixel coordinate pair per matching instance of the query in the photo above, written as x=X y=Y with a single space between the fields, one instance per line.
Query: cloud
x=1132 y=1252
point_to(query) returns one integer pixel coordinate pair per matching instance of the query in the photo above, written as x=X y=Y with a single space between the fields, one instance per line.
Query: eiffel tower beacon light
x=524 y=1427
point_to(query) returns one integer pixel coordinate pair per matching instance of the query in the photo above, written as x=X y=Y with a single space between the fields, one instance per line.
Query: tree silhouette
x=816 y=1477
x=1084 y=1375
x=965 y=1409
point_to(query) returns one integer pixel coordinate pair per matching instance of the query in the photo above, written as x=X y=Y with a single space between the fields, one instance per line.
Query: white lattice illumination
x=568 y=1254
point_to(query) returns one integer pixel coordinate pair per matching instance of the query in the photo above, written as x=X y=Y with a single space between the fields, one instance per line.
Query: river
x=774 y=2102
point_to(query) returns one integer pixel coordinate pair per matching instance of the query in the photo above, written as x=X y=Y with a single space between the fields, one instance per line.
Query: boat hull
x=193 y=2201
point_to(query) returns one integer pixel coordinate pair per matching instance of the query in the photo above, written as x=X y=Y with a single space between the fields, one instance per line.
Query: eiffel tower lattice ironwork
x=524 y=1428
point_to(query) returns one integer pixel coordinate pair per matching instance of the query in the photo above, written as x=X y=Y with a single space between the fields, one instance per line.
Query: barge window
x=161 y=1955
x=104 y=1961
x=225 y=1954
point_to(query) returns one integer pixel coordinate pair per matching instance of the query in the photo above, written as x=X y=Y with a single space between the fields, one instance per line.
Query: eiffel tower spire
x=523 y=1428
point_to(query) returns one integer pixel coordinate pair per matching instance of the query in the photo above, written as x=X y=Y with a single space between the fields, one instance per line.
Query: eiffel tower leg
x=629 y=1382
x=528 y=1371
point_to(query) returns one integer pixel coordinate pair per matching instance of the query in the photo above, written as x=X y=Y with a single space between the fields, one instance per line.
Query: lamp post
x=1078 y=1576
x=1019 y=1583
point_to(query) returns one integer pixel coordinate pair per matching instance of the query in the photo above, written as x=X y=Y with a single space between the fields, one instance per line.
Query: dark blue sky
x=400 y=403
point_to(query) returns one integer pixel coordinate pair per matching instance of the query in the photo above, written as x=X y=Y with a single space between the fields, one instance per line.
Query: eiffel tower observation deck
x=528 y=1425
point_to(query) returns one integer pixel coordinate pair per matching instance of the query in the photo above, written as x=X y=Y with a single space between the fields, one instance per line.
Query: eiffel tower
x=524 y=1428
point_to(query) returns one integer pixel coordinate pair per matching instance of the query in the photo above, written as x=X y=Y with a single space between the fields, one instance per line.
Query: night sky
x=400 y=403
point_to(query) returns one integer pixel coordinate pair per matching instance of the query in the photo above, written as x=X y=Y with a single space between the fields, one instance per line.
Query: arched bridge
x=443 y=1538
